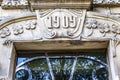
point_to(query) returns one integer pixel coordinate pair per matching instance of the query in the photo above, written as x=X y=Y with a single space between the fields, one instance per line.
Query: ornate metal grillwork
x=62 y=68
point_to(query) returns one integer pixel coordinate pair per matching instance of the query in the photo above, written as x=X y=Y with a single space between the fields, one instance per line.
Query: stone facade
x=34 y=21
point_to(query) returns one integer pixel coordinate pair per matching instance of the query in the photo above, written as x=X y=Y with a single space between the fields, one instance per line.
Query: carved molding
x=62 y=23
x=38 y=4
x=6 y=4
x=106 y=2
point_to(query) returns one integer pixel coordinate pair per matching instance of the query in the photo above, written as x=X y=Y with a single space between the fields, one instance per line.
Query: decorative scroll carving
x=106 y=1
x=62 y=23
x=14 y=3
x=69 y=67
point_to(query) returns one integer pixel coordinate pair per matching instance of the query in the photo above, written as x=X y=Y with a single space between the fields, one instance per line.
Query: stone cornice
x=60 y=4
x=38 y=4
x=47 y=4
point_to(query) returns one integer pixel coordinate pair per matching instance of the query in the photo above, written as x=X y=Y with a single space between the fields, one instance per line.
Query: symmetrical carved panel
x=62 y=23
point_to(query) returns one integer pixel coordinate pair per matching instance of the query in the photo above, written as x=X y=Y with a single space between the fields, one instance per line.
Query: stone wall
x=92 y=23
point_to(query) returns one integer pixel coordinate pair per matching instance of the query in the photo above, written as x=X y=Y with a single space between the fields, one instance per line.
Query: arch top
x=59 y=24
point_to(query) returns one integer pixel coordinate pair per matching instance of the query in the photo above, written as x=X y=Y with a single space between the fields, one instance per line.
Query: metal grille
x=78 y=67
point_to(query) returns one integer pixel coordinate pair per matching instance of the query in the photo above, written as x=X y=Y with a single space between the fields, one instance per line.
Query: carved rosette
x=18 y=29
x=4 y=32
x=31 y=25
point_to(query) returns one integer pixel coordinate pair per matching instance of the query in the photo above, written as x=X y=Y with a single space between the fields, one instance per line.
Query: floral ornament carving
x=18 y=30
x=106 y=1
x=4 y=33
x=31 y=25
x=115 y=30
x=91 y=24
x=14 y=3
x=103 y=28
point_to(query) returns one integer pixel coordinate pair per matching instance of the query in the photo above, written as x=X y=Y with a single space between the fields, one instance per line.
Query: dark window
x=91 y=65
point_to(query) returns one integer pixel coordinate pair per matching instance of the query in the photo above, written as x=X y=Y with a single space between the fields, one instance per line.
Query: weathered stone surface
x=48 y=29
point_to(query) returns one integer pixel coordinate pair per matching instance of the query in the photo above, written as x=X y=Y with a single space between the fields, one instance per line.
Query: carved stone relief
x=106 y=1
x=14 y=3
x=62 y=23
x=17 y=29
x=104 y=28
x=4 y=33
x=58 y=23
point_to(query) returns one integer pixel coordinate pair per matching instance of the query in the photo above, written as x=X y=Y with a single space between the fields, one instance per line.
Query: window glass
x=62 y=66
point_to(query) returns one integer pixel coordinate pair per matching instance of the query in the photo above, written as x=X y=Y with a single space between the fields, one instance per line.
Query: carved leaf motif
x=4 y=33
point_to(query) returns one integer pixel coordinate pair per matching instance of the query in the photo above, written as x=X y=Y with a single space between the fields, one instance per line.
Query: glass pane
x=63 y=66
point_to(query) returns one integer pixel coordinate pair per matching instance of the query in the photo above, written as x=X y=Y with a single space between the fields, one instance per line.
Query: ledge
x=84 y=4
x=38 y=4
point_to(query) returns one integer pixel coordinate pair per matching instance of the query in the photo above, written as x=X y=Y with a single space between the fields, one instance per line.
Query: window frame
x=103 y=43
